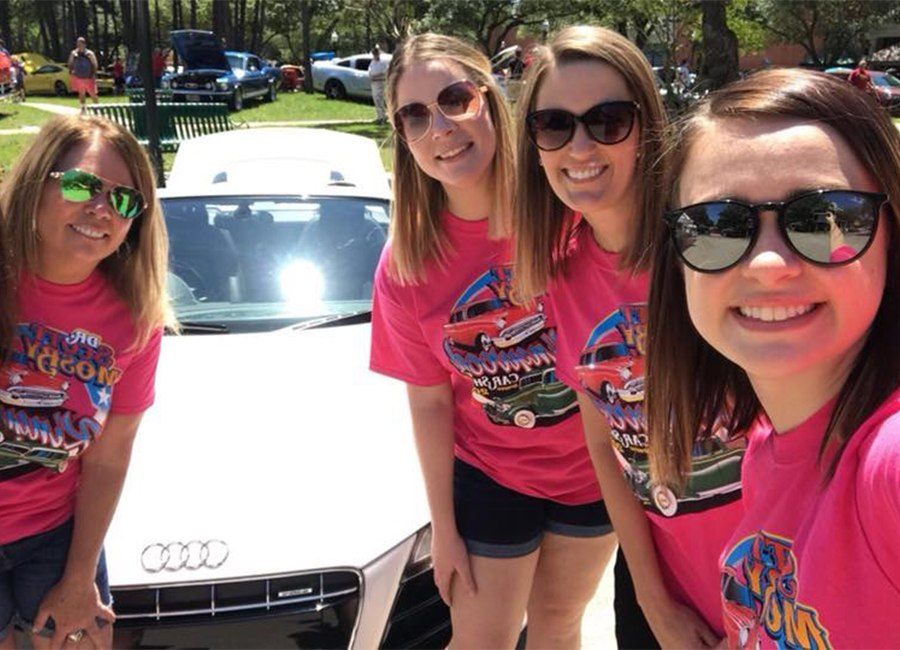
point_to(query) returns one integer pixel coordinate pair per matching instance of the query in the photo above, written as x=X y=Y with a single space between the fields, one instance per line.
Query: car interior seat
x=203 y=256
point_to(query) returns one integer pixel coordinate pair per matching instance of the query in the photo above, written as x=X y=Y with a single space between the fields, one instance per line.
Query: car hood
x=200 y=50
x=283 y=445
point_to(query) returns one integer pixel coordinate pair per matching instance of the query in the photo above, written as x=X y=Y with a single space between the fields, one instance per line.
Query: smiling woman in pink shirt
x=777 y=292
x=518 y=522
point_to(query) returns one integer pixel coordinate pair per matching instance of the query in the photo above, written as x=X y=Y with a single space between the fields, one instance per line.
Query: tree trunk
x=126 y=8
x=193 y=14
x=255 y=26
x=305 y=19
x=221 y=19
x=720 y=46
x=158 y=30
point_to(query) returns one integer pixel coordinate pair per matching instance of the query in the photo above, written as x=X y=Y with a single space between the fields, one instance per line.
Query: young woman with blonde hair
x=590 y=192
x=777 y=292
x=88 y=254
x=518 y=523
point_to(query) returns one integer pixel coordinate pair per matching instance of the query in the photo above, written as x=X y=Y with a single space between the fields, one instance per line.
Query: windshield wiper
x=333 y=320
x=199 y=327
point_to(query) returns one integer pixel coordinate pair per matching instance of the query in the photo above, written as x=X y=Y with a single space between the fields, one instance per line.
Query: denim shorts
x=495 y=521
x=29 y=567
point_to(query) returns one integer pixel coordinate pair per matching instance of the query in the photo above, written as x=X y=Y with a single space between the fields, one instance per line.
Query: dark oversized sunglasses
x=78 y=186
x=461 y=100
x=825 y=227
x=606 y=123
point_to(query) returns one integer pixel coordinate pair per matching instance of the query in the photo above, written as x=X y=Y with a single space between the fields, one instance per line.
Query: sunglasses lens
x=712 y=236
x=412 y=121
x=831 y=227
x=610 y=122
x=79 y=186
x=550 y=129
x=126 y=201
x=459 y=101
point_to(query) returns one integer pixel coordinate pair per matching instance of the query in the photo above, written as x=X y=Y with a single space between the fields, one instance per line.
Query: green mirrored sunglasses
x=78 y=186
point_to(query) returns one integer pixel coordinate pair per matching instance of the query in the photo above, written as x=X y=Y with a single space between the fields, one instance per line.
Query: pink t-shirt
x=601 y=318
x=514 y=420
x=70 y=367
x=813 y=565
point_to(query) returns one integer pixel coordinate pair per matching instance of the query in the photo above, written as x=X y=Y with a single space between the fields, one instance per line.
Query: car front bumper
x=384 y=604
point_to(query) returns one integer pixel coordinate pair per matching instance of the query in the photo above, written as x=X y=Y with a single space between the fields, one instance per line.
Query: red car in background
x=887 y=87
x=493 y=321
x=612 y=372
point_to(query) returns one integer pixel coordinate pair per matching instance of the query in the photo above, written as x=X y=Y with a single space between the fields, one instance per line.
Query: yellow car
x=31 y=61
x=53 y=79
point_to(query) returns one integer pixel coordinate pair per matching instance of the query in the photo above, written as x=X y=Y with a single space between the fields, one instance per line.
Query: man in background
x=377 y=76
x=83 y=71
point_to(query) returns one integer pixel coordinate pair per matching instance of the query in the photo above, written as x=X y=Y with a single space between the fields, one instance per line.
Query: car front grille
x=208 y=600
x=420 y=619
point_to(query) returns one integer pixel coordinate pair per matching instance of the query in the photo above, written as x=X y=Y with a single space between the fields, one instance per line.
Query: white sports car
x=274 y=497
x=347 y=77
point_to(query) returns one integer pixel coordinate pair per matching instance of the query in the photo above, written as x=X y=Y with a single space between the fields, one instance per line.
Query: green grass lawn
x=10 y=148
x=15 y=116
x=72 y=100
x=381 y=133
x=290 y=107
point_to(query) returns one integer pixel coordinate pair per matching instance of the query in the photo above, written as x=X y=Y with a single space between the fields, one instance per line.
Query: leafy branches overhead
x=827 y=31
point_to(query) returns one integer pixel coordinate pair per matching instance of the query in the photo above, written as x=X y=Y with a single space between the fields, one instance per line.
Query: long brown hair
x=138 y=268
x=543 y=223
x=688 y=381
x=418 y=199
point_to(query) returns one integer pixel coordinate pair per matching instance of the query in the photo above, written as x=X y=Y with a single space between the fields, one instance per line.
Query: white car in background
x=347 y=77
x=274 y=498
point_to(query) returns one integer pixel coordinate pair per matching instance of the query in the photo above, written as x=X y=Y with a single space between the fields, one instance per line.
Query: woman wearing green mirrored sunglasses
x=90 y=305
x=78 y=186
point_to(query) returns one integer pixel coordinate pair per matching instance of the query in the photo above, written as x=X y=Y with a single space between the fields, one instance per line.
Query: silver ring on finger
x=75 y=636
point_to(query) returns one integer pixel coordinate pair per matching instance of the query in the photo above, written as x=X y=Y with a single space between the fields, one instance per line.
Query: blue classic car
x=212 y=74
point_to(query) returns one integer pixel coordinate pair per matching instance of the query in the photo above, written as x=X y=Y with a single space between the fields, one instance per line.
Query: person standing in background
x=83 y=71
x=118 y=73
x=158 y=62
x=861 y=77
x=377 y=76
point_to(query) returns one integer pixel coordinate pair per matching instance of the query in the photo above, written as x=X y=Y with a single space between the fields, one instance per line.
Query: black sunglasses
x=606 y=123
x=825 y=227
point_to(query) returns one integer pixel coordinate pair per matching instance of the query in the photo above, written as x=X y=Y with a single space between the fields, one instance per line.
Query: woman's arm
x=74 y=602
x=432 y=418
x=673 y=624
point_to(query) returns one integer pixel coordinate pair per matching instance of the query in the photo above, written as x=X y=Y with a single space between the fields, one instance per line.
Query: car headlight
x=222 y=85
x=420 y=558
x=174 y=84
x=209 y=85
x=165 y=84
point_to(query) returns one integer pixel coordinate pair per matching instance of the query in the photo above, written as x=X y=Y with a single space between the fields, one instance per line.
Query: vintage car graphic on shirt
x=611 y=371
x=55 y=395
x=759 y=596
x=508 y=352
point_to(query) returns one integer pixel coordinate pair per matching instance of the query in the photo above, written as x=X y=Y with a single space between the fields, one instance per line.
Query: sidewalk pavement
x=53 y=108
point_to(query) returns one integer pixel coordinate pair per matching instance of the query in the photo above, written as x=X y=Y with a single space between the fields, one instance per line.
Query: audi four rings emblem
x=193 y=555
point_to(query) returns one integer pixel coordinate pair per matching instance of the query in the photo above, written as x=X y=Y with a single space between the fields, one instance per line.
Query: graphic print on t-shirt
x=611 y=371
x=759 y=596
x=507 y=350
x=55 y=394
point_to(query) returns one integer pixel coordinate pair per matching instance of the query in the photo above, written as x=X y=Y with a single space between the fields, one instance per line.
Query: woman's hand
x=74 y=605
x=450 y=558
x=677 y=626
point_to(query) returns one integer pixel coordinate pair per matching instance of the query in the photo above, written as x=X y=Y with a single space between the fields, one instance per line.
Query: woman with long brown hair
x=88 y=255
x=590 y=195
x=776 y=294
x=518 y=523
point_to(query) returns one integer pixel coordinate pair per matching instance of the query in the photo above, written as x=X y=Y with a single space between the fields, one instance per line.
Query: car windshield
x=251 y=263
x=886 y=80
x=236 y=62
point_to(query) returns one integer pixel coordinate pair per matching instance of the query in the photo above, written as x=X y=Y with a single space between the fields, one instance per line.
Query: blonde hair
x=544 y=224
x=137 y=270
x=418 y=199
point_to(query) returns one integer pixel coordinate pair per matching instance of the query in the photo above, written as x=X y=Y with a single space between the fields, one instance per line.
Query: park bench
x=178 y=121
